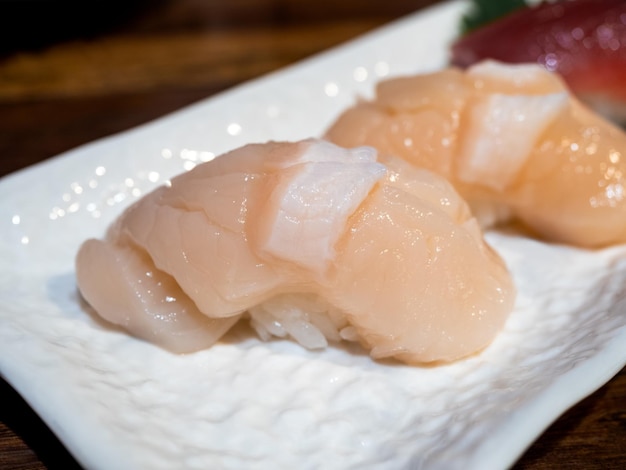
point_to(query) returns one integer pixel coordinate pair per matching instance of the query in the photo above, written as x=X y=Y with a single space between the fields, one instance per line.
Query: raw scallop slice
x=122 y=284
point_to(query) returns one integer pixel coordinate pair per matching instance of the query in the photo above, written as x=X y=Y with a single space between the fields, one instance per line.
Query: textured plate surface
x=119 y=403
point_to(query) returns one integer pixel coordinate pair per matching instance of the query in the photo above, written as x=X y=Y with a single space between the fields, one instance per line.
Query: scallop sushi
x=304 y=240
x=513 y=141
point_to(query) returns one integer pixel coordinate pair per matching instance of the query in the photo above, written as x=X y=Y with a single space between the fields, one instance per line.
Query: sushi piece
x=305 y=240
x=582 y=40
x=512 y=140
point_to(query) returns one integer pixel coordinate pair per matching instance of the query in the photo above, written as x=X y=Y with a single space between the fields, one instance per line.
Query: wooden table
x=65 y=82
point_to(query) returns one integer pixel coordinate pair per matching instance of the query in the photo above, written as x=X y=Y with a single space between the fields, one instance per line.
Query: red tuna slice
x=583 y=40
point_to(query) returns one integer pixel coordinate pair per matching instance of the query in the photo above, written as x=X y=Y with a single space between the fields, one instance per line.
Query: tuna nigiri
x=582 y=40
x=307 y=240
x=513 y=141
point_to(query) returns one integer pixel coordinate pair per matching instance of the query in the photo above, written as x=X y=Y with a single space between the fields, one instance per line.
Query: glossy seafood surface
x=304 y=239
x=512 y=140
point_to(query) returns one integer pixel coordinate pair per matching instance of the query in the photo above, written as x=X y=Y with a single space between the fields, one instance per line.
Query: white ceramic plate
x=119 y=403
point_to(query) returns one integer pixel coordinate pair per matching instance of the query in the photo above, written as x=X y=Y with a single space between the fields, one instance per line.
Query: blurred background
x=100 y=67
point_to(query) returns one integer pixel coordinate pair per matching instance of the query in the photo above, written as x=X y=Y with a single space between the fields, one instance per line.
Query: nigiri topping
x=511 y=139
x=309 y=241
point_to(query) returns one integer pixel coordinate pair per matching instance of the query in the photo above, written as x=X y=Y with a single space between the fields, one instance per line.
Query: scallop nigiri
x=512 y=140
x=305 y=240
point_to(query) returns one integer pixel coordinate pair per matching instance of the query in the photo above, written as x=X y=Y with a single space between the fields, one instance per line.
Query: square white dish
x=119 y=403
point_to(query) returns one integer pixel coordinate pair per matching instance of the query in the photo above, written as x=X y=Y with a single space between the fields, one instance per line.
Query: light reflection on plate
x=120 y=403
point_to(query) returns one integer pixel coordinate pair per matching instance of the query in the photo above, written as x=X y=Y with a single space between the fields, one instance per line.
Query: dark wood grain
x=65 y=82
